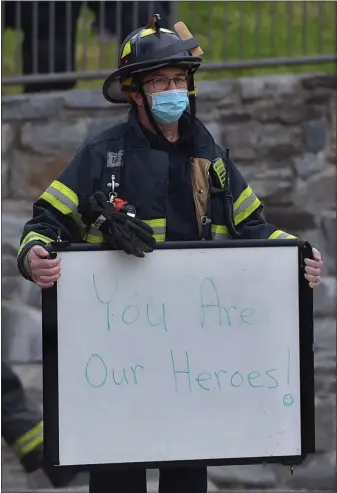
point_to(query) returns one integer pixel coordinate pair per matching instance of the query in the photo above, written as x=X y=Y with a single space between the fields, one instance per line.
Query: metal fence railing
x=56 y=43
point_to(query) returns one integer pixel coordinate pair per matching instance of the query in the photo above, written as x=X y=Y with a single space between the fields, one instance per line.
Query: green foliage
x=230 y=31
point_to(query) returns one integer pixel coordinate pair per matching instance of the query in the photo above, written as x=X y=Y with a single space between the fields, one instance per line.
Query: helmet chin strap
x=191 y=94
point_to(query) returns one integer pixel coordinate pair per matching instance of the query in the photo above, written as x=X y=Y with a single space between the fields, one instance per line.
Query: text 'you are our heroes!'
x=99 y=373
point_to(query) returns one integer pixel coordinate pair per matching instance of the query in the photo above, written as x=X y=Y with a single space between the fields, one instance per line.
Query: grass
x=237 y=30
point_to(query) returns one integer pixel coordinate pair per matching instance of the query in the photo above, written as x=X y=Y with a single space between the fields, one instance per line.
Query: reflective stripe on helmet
x=147 y=32
x=126 y=50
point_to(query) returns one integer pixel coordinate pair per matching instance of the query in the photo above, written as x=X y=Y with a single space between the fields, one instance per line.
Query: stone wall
x=282 y=132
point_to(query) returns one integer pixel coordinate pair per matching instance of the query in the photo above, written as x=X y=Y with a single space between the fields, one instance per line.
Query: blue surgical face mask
x=168 y=106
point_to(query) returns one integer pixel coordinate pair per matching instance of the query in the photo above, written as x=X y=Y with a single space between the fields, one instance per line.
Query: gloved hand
x=119 y=230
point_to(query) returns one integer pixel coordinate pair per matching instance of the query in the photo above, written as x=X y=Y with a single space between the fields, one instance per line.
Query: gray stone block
x=243 y=140
x=5 y=189
x=318 y=474
x=32 y=174
x=32 y=107
x=325 y=345
x=273 y=186
x=12 y=227
x=269 y=87
x=88 y=100
x=289 y=111
x=255 y=476
x=7 y=137
x=11 y=288
x=280 y=142
x=223 y=92
x=55 y=136
x=100 y=124
x=316 y=134
x=31 y=294
x=308 y=164
x=215 y=130
x=310 y=81
x=21 y=333
x=9 y=266
x=325 y=298
x=325 y=409
x=329 y=239
x=320 y=189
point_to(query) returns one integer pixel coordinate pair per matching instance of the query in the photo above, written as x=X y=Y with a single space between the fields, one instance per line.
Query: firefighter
x=22 y=427
x=157 y=177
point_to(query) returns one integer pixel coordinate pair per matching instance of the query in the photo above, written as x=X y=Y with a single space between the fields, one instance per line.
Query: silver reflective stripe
x=281 y=235
x=159 y=230
x=248 y=202
x=62 y=198
x=219 y=236
x=158 y=227
x=219 y=232
x=284 y=236
x=93 y=236
x=65 y=205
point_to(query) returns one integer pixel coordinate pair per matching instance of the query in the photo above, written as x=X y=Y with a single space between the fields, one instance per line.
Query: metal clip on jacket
x=205 y=226
x=113 y=185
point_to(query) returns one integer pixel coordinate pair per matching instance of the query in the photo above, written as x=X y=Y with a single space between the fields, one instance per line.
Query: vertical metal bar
x=335 y=26
x=305 y=27
x=84 y=34
x=193 y=14
x=226 y=30
x=35 y=33
x=101 y=33
x=173 y=16
x=150 y=11
x=242 y=29
x=3 y=19
x=18 y=29
x=258 y=27
x=273 y=29
x=3 y=28
x=51 y=32
x=68 y=36
x=320 y=25
x=118 y=27
x=289 y=8
x=211 y=30
x=135 y=15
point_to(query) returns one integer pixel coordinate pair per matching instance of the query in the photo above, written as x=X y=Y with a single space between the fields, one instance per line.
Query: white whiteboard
x=127 y=326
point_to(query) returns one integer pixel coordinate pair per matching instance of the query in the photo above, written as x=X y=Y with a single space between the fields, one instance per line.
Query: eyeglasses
x=162 y=83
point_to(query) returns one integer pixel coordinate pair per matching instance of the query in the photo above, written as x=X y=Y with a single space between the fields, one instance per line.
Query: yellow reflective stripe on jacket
x=245 y=205
x=219 y=232
x=159 y=228
x=29 y=441
x=93 y=236
x=281 y=235
x=61 y=197
x=33 y=236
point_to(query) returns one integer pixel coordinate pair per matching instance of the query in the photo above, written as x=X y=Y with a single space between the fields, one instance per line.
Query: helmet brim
x=112 y=89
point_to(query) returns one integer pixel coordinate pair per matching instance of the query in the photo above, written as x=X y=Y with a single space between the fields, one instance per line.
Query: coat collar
x=193 y=133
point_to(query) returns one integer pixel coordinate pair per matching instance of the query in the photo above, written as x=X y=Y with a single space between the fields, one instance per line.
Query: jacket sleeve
x=55 y=211
x=248 y=209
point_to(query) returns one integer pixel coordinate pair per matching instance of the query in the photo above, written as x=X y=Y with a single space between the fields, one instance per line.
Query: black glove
x=121 y=231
